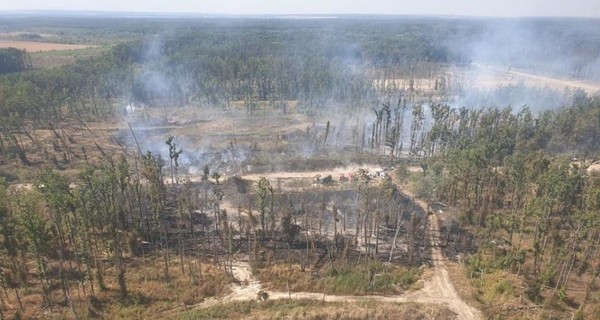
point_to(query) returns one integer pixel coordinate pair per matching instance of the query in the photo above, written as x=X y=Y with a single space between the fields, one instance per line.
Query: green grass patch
x=57 y=58
x=361 y=279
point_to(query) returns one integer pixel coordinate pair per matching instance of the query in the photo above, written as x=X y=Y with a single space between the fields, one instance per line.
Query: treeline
x=271 y=61
x=59 y=241
x=48 y=99
x=219 y=61
x=212 y=64
x=520 y=182
x=245 y=60
x=70 y=241
x=13 y=60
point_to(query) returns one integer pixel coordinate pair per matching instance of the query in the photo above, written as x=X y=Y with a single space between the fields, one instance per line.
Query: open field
x=32 y=46
x=58 y=58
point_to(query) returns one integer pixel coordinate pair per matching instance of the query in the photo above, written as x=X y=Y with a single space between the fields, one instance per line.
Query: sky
x=502 y=8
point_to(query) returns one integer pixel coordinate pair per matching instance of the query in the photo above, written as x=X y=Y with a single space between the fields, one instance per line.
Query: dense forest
x=515 y=185
x=84 y=211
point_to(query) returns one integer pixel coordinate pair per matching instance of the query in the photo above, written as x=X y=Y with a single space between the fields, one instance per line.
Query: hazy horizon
x=468 y=8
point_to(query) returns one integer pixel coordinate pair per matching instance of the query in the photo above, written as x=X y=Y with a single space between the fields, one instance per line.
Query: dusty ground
x=32 y=46
x=437 y=289
x=336 y=172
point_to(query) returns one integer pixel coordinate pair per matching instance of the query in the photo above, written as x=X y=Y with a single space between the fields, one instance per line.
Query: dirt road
x=540 y=80
x=437 y=287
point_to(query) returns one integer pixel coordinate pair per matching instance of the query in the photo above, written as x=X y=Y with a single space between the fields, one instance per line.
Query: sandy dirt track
x=540 y=80
x=437 y=288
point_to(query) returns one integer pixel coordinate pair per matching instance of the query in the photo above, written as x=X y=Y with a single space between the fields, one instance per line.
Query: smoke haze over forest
x=512 y=8
x=204 y=156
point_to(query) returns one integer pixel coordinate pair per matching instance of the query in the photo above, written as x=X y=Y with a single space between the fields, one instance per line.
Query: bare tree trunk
x=398 y=225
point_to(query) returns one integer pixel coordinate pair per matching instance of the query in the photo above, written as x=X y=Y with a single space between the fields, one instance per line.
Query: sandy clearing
x=33 y=46
x=335 y=172
x=503 y=76
x=492 y=77
x=273 y=176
